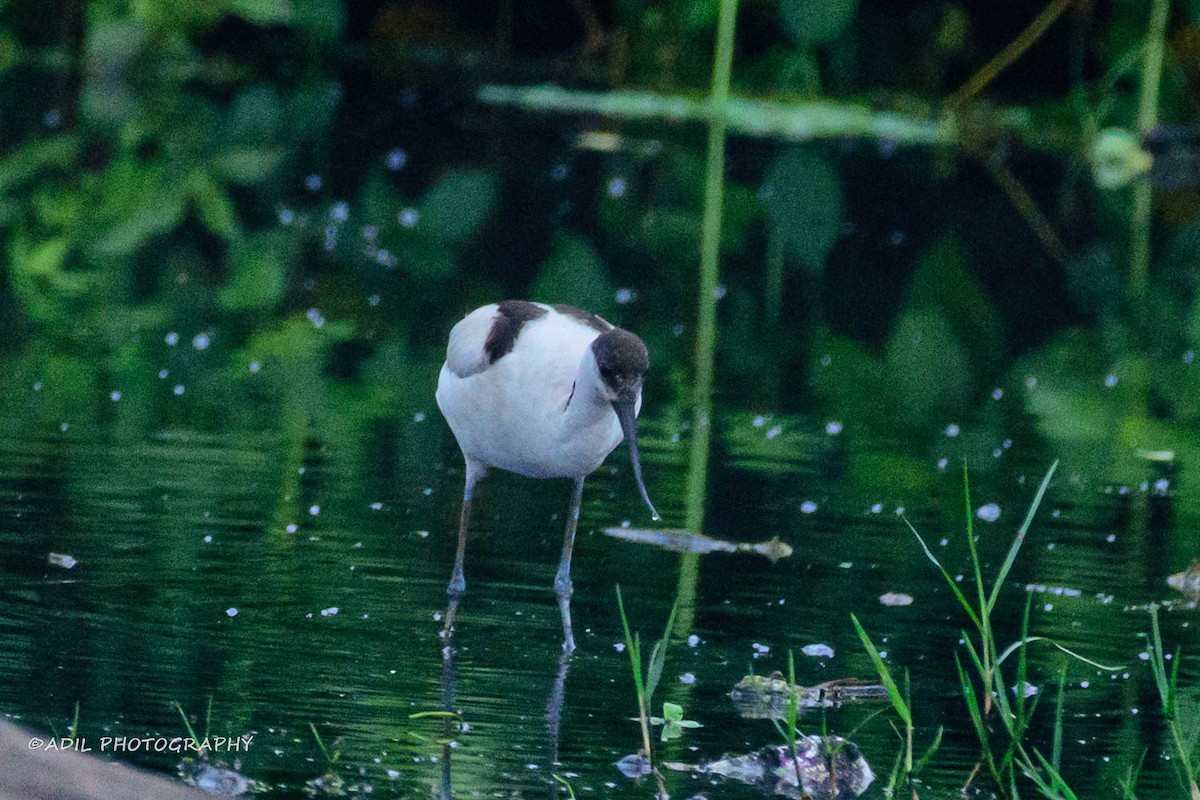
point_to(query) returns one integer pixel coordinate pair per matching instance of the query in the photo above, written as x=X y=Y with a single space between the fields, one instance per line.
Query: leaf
x=573 y=274
x=260 y=267
x=324 y=19
x=803 y=198
x=672 y=712
x=457 y=205
x=245 y=166
x=213 y=205
x=927 y=374
x=816 y=21
x=255 y=116
x=264 y=12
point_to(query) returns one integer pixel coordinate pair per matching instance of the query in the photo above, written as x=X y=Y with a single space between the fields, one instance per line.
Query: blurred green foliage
x=195 y=168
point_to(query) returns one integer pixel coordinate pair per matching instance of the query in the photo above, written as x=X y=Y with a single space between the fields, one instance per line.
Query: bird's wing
x=487 y=334
x=465 y=353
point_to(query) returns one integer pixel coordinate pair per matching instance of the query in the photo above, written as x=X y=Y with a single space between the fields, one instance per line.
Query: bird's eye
x=606 y=373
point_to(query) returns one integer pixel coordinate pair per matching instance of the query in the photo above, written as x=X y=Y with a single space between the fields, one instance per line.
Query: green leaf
x=213 y=205
x=574 y=274
x=264 y=12
x=803 y=198
x=672 y=712
x=816 y=21
x=324 y=19
x=457 y=205
x=260 y=267
x=927 y=373
x=245 y=166
x=255 y=117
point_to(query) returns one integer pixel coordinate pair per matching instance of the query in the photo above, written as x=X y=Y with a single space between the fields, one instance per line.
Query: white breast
x=511 y=414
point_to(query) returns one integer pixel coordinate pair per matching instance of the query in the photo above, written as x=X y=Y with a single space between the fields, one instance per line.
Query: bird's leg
x=562 y=580
x=458 y=583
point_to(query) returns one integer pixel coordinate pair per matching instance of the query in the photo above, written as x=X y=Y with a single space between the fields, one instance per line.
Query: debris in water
x=62 y=560
x=896 y=599
x=680 y=540
x=1187 y=581
x=988 y=513
x=635 y=766
x=766 y=697
x=824 y=768
x=817 y=650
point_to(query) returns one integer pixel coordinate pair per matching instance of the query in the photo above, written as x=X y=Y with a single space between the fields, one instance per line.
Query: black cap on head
x=622 y=359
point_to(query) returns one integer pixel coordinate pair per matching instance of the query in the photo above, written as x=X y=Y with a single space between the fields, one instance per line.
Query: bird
x=545 y=391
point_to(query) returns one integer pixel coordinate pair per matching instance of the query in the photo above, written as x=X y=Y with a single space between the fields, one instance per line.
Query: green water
x=293 y=572
x=234 y=241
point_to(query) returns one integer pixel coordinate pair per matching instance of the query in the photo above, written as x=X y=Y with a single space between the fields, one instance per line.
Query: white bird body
x=543 y=391
x=539 y=410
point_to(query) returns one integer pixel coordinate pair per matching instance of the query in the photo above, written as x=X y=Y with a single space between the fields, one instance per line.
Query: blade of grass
x=962 y=600
x=1012 y=648
x=885 y=675
x=1009 y=559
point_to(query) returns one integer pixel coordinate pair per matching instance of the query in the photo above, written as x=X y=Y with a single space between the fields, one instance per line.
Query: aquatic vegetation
x=672 y=722
x=645 y=681
x=1180 y=709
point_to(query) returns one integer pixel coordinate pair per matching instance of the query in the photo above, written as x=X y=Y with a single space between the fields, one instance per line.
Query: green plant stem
x=710 y=253
x=1139 y=271
x=763 y=119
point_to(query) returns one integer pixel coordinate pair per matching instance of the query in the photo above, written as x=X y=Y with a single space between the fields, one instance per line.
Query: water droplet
x=774 y=431
x=1110 y=381
x=953 y=430
x=687 y=679
x=52 y=118
x=162 y=374
x=332 y=611
x=942 y=463
x=114 y=396
x=408 y=218
x=624 y=296
x=616 y=187
x=37 y=386
x=419 y=416
x=201 y=341
x=693 y=640
x=231 y=612
x=255 y=366
x=1031 y=383
x=997 y=394
x=314 y=183
x=817 y=650
x=833 y=428
x=720 y=291
x=339 y=211
x=396 y=159
x=286 y=216
x=373 y=300
x=878 y=507
x=808 y=507
x=559 y=172
x=172 y=339
x=896 y=238
x=1189 y=356
x=314 y=510
x=178 y=389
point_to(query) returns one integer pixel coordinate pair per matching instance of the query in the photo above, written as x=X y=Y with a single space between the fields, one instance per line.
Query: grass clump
x=999 y=717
